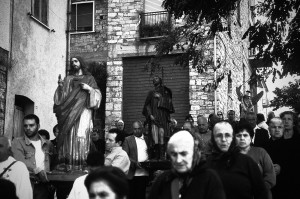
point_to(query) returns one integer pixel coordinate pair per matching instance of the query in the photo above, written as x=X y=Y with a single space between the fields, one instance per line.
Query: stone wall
x=92 y=46
x=123 y=41
x=232 y=52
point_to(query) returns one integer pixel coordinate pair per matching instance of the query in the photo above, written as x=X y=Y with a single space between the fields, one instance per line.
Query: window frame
x=39 y=19
x=93 y=22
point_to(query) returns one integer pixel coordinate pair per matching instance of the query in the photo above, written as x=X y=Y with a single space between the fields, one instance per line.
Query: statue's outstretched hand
x=60 y=81
x=43 y=176
x=85 y=87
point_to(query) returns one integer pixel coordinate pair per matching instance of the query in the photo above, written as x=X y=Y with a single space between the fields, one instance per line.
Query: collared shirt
x=256 y=127
x=79 y=191
x=24 y=151
x=142 y=155
x=39 y=154
x=117 y=157
x=19 y=175
x=142 y=148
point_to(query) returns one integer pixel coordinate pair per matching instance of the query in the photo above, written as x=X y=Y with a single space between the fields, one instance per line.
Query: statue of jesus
x=74 y=101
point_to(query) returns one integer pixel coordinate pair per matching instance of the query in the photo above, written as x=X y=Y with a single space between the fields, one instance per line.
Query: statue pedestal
x=63 y=181
x=65 y=176
x=154 y=165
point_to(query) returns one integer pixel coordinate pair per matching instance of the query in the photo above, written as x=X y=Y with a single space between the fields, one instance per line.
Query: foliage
x=287 y=96
x=204 y=19
x=277 y=35
x=158 y=29
x=99 y=72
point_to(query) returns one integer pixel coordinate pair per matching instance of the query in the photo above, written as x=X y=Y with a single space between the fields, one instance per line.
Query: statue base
x=154 y=165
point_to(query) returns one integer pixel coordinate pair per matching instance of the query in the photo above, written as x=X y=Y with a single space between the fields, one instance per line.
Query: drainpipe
x=12 y=7
x=215 y=72
x=68 y=36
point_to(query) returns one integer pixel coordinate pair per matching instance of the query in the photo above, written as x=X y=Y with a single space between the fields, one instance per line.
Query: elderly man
x=289 y=152
x=204 y=133
x=231 y=118
x=34 y=152
x=189 y=178
x=14 y=171
x=114 y=154
x=136 y=147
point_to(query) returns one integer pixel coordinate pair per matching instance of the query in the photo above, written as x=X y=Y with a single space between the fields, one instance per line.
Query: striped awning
x=153 y=5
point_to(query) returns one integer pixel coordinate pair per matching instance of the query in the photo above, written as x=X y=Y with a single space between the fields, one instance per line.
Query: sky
x=279 y=83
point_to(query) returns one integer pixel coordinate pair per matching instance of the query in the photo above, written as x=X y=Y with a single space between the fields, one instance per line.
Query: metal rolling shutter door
x=137 y=83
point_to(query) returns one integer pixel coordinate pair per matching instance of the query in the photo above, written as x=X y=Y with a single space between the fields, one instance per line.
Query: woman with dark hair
x=107 y=182
x=189 y=178
x=239 y=173
x=243 y=138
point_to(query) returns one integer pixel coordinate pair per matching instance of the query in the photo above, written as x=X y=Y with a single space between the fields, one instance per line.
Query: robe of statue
x=73 y=107
x=159 y=104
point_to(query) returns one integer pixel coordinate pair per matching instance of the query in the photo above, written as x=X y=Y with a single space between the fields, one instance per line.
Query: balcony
x=154 y=24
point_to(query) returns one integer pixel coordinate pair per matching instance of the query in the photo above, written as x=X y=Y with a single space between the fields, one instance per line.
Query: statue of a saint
x=157 y=109
x=74 y=100
x=247 y=101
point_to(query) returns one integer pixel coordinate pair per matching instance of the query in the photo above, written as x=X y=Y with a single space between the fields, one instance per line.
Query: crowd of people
x=215 y=158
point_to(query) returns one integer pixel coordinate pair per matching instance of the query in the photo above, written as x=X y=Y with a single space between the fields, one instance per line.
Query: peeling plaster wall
x=39 y=56
x=4 y=24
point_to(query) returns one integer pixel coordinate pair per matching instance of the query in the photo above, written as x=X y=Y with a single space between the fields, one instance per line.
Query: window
x=39 y=10
x=82 y=16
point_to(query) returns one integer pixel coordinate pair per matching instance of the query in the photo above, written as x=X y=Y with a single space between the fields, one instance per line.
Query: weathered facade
x=127 y=52
x=4 y=53
x=37 y=56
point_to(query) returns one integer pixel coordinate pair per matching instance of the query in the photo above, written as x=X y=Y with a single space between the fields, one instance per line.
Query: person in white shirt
x=136 y=147
x=17 y=171
x=94 y=161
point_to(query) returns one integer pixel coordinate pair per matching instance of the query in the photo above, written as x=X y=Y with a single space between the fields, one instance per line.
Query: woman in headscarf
x=188 y=178
x=239 y=173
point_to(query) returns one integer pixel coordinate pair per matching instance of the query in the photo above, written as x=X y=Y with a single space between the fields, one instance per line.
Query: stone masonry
x=122 y=33
x=92 y=46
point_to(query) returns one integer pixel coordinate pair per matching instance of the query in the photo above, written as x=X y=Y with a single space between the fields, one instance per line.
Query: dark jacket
x=203 y=183
x=240 y=175
x=130 y=147
x=261 y=137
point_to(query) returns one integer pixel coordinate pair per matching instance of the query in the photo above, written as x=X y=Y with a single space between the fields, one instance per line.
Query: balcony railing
x=154 y=24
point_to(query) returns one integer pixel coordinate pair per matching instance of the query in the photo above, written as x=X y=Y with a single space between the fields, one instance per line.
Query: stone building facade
x=4 y=54
x=123 y=42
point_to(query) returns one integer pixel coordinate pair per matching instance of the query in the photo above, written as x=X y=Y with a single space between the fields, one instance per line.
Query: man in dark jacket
x=189 y=178
x=261 y=136
x=136 y=147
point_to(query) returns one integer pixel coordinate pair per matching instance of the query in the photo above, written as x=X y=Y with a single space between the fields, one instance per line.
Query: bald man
x=185 y=153
x=17 y=171
x=204 y=133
